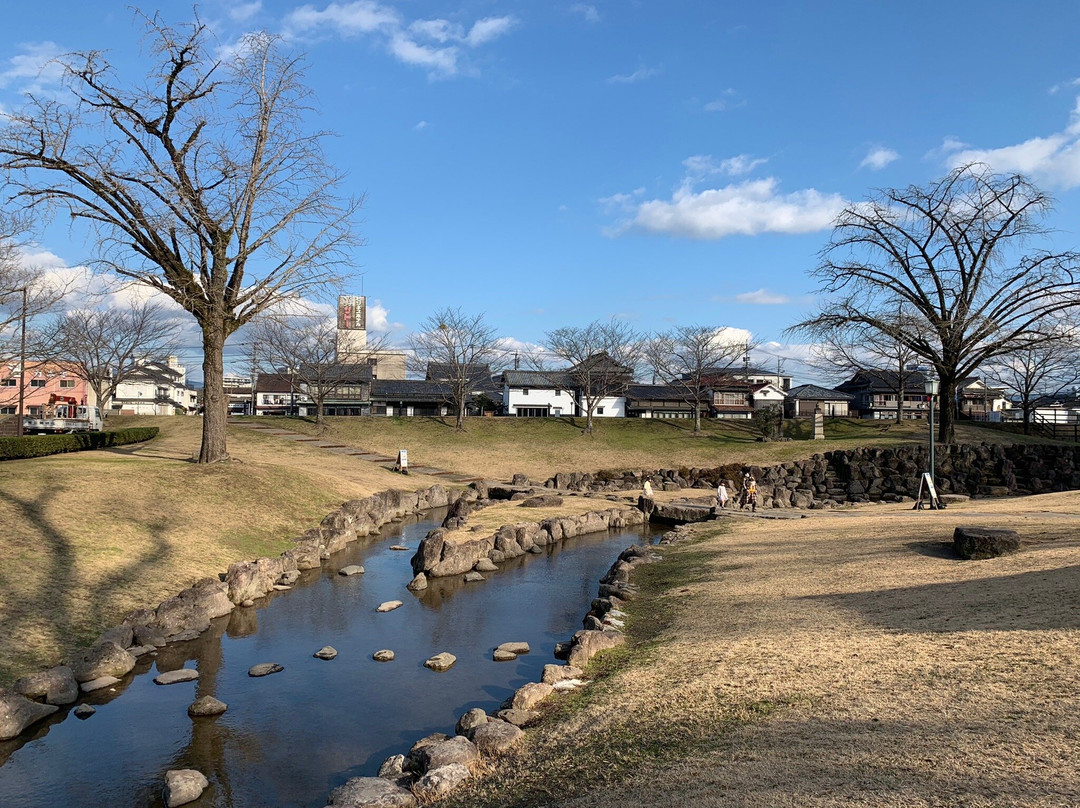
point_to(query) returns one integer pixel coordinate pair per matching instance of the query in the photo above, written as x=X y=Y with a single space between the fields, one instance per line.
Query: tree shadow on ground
x=1041 y=600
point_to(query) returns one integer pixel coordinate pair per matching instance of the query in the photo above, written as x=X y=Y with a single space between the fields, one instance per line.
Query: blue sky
x=668 y=162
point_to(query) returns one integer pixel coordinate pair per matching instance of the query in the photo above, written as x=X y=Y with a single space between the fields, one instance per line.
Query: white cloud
x=488 y=29
x=1064 y=85
x=640 y=74
x=747 y=208
x=763 y=297
x=586 y=10
x=378 y=319
x=727 y=100
x=729 y=335
x=344 y=19
x=242 y=12
x=420 y=125
x=1052 y=159
x=35 y=68
x=429 y=43
x=703 y=165
x=879 y=157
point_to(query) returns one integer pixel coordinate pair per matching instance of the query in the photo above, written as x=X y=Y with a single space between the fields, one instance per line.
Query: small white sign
x=927 y=484
x=403 y=460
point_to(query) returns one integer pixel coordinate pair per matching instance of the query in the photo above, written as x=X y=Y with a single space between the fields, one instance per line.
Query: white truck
x=63 y=415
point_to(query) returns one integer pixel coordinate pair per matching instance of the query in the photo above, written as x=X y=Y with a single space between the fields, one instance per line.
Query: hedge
x=42 y=445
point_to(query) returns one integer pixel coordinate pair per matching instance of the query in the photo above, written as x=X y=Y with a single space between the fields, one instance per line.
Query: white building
x=155 y=388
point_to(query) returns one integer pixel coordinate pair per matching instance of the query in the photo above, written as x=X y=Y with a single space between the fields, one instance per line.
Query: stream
x=290 y=738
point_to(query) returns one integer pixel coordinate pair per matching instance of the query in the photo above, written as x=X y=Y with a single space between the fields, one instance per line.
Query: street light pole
x=931 y=387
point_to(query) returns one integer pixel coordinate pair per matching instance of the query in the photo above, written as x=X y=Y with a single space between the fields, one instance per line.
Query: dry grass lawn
x=845 y=659
x=89 y=536
x=500 y=447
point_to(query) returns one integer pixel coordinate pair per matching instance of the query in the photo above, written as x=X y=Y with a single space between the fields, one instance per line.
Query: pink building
x=45 y=382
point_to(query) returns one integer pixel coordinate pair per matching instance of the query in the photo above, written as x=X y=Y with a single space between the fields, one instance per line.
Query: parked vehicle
x=63 y=414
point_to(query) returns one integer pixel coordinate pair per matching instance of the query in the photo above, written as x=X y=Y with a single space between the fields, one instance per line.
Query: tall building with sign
x=352 y=344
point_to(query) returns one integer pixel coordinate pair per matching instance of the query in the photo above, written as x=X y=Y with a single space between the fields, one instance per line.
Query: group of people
x=748 y=494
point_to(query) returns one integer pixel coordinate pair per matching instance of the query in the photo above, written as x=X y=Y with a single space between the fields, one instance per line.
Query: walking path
x=361 y=454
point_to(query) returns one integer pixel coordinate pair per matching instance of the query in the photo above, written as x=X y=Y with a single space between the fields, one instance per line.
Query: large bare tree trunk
x=215 y=404
x=461 y=414
x=946 y=410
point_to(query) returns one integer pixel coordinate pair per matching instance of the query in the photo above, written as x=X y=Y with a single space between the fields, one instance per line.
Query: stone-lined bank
x=865 y=475
x=189 y=613
x=443 y=552
x=438 y=764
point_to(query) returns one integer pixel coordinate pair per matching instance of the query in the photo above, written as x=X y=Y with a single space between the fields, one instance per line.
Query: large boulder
x=371 y=792
x=106 y=659
x=529 y=695
x=496 y=738
x=587 y=644
x=181 y=616
x=972 y=542
x=18 y=712
x=442 y=753
x=53 y=686
x=439 y=782
x=247 y=580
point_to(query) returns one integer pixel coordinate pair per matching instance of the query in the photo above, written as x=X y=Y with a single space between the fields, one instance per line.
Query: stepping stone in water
x=389 y=606
x=398 y=547
x=474 y=577
x=206 y=706
x=177 y=676
x=514 y=648
x=352 y=569
x=84 y=711
x=503 y=656
x=386 y=655
x=441 y=662
x=98 y=684
x=326 y=652
x=265 y=669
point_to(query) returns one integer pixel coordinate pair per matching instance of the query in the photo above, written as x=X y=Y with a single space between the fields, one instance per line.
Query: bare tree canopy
x=25 y=292
x=199 y=180
x=602 y=358
x=1039 y=372
x=305 y=348
x=464 y=346
x=689 y=358
x=859 y=347
x=108 y=345
x=955 y=255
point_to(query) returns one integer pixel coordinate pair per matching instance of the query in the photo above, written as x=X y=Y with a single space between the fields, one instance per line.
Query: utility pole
x=22 y=366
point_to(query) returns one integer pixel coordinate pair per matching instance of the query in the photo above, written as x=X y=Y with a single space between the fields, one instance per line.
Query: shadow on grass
x=1041 y=600
x=57 y=595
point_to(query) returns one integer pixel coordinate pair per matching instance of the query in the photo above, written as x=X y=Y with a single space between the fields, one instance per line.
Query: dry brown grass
x=90 y=536
x=844 y=659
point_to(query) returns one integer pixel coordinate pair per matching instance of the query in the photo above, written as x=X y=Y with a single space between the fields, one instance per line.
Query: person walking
x=721 y=496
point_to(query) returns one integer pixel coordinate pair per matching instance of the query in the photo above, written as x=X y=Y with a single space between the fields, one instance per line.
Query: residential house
x=875 y=394
x=533 y=393
x=759 y=376
x=155 y=388
x=277 y=394
x=292 y=394
x=45 y=382
x=240 y=393
x=977 y=400
x=766 y=394
x=732 y=398
x=804 y=400
x=659 y=401
x=410 y=397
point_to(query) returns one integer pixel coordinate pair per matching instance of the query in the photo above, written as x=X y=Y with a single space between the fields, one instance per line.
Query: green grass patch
x=27 y=446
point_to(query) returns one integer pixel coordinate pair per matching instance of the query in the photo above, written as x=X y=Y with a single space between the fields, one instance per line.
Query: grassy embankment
x=844 y=659
x=500 y=447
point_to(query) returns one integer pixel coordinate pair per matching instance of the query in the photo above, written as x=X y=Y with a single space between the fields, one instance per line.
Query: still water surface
x=290 y=738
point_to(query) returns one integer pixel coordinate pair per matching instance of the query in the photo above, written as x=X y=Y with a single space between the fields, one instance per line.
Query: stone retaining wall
x=866 y=475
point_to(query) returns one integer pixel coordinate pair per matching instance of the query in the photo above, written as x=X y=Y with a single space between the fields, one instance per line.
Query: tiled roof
x=554 y=379
x=812 y=392
x=656 y=392
x=409 y=390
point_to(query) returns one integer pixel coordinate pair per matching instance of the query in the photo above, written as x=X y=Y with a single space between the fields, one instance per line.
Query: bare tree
x=107 y=346
x=200 y=181
x=1039 y=372
x=25 y=292
x=464 y=347
x=953 y=254
x=689 y=358
x=857 y=348
x=602 y=357
x=305 y=348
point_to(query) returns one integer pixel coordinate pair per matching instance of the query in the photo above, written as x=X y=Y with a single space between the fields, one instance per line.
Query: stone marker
x=441 y=662
x=389 y=606
x=177 y=676
x=385 y=655
x=183 y=786
x=265 y=669
x=18 y=712
x=206 y=706
x=352 y=569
